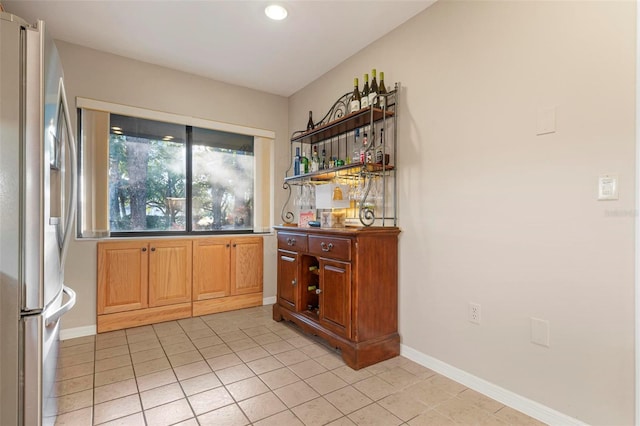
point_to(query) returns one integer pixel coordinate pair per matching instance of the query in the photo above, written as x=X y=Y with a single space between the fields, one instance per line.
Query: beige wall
x=493 y=213
x=105 y=77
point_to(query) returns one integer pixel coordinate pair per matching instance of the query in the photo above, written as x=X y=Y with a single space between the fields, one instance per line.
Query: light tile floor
x=241 y=368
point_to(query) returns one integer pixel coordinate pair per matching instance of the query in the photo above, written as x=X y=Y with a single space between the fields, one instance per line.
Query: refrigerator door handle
x=68 y=231
x=51 y=319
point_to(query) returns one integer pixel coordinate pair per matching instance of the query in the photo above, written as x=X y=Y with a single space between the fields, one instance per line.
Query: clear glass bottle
x=315 y=160
x=355 y=158
x=363 y=148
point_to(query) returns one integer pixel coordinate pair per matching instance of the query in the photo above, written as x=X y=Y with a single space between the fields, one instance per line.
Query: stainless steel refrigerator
x=37 y=207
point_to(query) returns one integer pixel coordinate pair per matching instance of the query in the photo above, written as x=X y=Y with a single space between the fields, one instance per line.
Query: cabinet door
x=287 y=279
x=211 y=268
x=122 y=276
x=246 y=265
x=169 y=272
x=335 y=297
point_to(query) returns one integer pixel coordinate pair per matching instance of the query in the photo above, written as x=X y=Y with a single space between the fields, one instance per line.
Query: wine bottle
x=364 y=96
x=310 y=125
x=296 y=162
x=373 y=91
x=304 y=163
x=355 y=97
x=382 y=90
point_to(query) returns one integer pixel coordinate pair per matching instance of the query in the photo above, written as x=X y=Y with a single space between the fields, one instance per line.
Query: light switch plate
x=540 y=332
x=608 y=187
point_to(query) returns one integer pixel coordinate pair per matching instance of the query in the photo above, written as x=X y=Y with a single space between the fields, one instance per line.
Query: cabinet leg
x=277 y=316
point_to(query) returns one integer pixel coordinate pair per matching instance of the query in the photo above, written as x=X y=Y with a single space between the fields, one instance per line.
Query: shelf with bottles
x=344 y=124
x=369 y=148
x=348 y=146
x=348 y=170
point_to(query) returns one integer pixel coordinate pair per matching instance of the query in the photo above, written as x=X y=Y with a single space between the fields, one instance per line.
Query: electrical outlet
x=474 y=313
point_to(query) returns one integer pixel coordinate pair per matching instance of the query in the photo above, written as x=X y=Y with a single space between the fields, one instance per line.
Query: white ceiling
x=226 y=40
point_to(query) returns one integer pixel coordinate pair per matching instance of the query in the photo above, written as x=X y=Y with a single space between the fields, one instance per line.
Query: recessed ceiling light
x=117 y=132
x=276 y=12
x=116 y=128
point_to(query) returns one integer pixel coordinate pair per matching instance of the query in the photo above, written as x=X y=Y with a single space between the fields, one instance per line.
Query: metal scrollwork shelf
x=340 y=135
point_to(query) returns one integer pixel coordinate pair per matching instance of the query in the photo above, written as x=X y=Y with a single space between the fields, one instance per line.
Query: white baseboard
x=506 y=397
x=90 y=330
x=72 y=333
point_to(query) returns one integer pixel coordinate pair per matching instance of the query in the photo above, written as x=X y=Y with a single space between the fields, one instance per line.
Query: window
x=147 y=175
x=222 y=181
x=142 y=176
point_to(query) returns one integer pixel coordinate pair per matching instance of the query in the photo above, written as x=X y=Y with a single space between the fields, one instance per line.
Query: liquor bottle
x=364 y=147
x=373 y=91
x=356 y=147
x=296 y=162
x=382 y=90
x=304 y=163
x=379 y=151
x=315 y=160
x=355 y=98
x=364 y=96
x=323 y=160
x=310 y=125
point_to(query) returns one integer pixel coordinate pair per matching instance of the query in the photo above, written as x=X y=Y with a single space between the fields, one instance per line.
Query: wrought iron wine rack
x=335 y=130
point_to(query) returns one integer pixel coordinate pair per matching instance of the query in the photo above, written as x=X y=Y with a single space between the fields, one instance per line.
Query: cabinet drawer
x=331 y=247
x=292 y=241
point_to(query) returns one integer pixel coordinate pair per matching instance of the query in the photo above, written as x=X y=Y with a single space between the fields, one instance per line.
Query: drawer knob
x=318 y=290
x=291 y=241
x=293 y=282
x=144 y=249
x=326 y=247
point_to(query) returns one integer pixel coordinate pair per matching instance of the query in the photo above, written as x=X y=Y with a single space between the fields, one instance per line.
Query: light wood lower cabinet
x=170 y=264
x=149 y=281
x=228 y=274
x=122 y=276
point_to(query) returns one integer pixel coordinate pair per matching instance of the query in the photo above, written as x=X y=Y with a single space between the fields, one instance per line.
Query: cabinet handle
x=291 y=241
x=228 y=245
x=153 y=249
x=234 y=244
x=294 y=282
x=326 y=247
x=144 y=249
x=318 y=290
